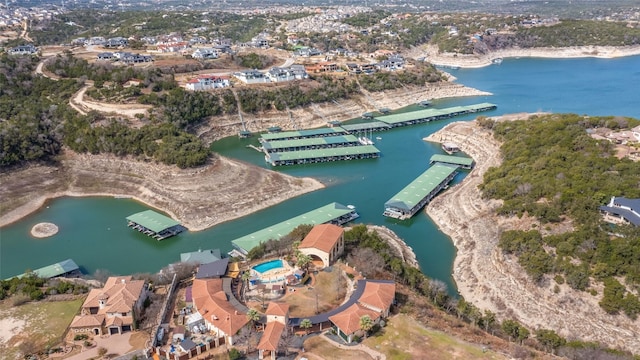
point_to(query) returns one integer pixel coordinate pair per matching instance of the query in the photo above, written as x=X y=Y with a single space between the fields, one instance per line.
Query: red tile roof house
x=277 y=319
x=324 y=242
x=375 y=302
x=112 y=309
x=218 y=313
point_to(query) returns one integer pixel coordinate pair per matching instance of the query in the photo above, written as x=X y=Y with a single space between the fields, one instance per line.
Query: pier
x=322 y=155
x=303 y=134
x=367 y=126
x=426 y=115
x=463 y=162
x=420 y=191
x=154 y=224
x=310 y=143
x=333 y=213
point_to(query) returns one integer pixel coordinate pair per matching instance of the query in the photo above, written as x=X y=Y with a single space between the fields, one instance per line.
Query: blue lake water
x=93 y=231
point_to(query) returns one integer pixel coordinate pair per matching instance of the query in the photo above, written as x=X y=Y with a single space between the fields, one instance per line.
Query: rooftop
x=450 y=159
x=271 y=336
x=323 y=153
x=318 y=141
x=322 y=237
x=302 y=134
x=201 y=256
x=57 y=269
x=213 y=269
x=431 y=113
x=419 y=188
x=320 y=215
x=365 y=126
x=152 y=220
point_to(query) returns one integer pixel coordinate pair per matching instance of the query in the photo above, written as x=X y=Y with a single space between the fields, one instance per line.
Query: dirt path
x=199 y=198
x=494 y=281
x=83 y=106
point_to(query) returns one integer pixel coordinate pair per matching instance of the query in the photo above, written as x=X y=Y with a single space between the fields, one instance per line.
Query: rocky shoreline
x=494 y=281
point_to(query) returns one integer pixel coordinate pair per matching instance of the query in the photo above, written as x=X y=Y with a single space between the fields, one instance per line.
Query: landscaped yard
x=34 y=325
x=321 y=347
x=329 y=287
x=404 y=338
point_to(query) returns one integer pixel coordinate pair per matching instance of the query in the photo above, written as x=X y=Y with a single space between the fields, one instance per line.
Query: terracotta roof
x=211 y=302
x=322 y=237
x=277 y=308
x=120 y=293
x=349 y=320
x=87 y=321
x=271 y=336
x=378 y=294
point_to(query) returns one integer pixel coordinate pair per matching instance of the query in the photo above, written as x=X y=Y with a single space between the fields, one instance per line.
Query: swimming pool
x=269 y=265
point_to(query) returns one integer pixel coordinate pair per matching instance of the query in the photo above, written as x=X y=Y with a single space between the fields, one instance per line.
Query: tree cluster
x=37 y=288
x=554 y=170
x=380 y=81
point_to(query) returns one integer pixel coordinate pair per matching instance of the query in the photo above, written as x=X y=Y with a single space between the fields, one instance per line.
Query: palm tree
x=245 y=280
x=252 y=315
x=306 y=324
x=304 y=261
x=366 y=324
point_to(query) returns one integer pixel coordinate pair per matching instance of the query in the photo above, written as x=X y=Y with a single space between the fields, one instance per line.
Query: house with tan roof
x=325 y=242
x=112 y=309
x=220 y=316
x=277 y=321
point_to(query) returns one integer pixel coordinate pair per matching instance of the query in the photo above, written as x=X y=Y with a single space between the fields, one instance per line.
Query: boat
x=424 y=103
x=378 y=138
x=365 y=140
x=497 y=61
x=450 y=148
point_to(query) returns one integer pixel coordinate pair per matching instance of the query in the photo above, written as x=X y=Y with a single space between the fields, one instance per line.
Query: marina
x=366 y=126
x=426 y=115
x=154 y=224
x=420 y=191
x=463 y=162
x=303 y=134
x=333 y=213
x=310 y=143
x=322 y=155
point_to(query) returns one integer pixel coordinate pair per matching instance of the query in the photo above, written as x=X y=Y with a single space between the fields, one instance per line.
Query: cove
x=94 y=234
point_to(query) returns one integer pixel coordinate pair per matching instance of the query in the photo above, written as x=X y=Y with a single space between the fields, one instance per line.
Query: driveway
x=115 y=344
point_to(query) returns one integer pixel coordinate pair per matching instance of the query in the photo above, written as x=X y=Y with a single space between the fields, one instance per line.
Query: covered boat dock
x=333 y=213
x=322 y=155
x=463 y=162
x=420 y=191
x=302 y=134
x=426 y=115
x=154 y=224
x=66 y=268
x=367 y=126
x=310 y=143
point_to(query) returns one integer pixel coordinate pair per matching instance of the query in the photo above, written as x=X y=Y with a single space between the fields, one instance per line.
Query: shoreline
x=478 y=61
x=491 y=280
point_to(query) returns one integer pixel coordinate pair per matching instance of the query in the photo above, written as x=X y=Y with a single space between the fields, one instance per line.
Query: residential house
x=205 y=53
x=112 y=309
x=375 y=302
x=215 y=269
x=325 y=242
x=394 y=62
x=116 y=42
x=307 y=52
x=219 y=315
x=322 y=67
x=172 y=47
x=280 y=74
x=201 y=256
x=251 y=77
x=207 y=82
x=621 y=210
x=23 y=50
x=106 y=56
x=197 y=40
x=260 y=41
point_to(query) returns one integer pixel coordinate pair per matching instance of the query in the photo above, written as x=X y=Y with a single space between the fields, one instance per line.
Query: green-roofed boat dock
x=431 y=114
x=154 y=224
x=310 y=143
x=463 y=162
x=303 y=134
x=366 y=126
x=66 y=268
x=420 y=191
x=322 y=155
x=334 y=213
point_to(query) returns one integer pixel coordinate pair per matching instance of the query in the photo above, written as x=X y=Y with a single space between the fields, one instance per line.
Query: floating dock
x=67 y=268
x=310 y=143
x=302 y=134
x=463 y=162
x=322 y=155
x=419 y=192
x=333 y=213
x=426 y=115
x=368 y=126
x=154 y=224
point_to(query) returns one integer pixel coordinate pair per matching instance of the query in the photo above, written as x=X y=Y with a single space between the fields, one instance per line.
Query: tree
x=514 y=330
x=488 y=320
x=366 y=324
x=306 y=324
x=245 y=280
x=303 y=261
x=550 y=340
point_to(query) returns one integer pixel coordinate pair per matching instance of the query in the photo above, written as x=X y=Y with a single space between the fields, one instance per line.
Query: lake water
x=94 y=234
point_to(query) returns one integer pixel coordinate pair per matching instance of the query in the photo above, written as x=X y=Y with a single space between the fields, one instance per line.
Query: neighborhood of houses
x=225 y=299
